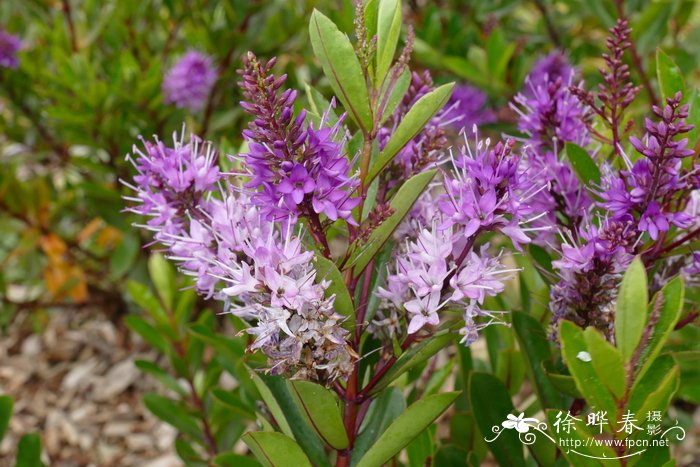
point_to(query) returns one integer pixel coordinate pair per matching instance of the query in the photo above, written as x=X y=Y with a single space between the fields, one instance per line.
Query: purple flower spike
x=189 y=82
x=9 y=46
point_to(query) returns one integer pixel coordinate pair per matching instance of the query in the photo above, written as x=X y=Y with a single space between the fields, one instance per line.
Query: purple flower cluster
x=648 y=192
x=590 y=268
x=189 y=82
x=551 y=116
x=436 y=264
x=256 y=266
x=295 y=169
x=172 y=181
x=9 y=46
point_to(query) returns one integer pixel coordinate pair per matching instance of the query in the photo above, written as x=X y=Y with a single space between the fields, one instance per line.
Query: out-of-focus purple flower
x=295 y=169
x=190 y=81
x=9 y=46
x=467 y=107
x=550 y=68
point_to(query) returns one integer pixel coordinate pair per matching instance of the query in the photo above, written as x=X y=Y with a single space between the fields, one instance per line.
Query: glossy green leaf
x=327 y=270
x=412 y=123
x=271 y=404
x=275 y=449
x=342 y=67
x=564 y=384
x=6 y=405
x=606 y=361
x=287 y=409
x=670 y=76
x=417 y=417
x=388 y=30
x=229 y=459
x=491 y=403
x=384 y=410
x=672 y=296
x=631 y=309
x=322 y=410
x=29 y=451
x=401 y=203
x=396 y=94
x=582 y=163
x=532 y=339
x=587 y=380
x=414 y=356
x=655 y=389
x=232 y=401
x=163 y=277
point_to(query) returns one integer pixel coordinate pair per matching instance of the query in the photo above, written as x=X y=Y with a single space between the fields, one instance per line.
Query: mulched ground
x=76 y=384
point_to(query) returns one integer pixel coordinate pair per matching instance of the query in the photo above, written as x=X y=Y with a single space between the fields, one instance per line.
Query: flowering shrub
x=376 y=225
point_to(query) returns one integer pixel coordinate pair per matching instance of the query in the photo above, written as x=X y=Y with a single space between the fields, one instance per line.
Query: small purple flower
x=9 y=46
x=296 y=185
x=467 y=107
x=190 y=81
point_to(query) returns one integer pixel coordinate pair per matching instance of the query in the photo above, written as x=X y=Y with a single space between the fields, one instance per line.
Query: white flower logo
x=520 y=423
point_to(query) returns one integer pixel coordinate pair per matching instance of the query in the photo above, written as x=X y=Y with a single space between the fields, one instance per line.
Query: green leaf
x=672 y=296
x=533 y=340
x=288 y=411
x=163 y=277
x=384 y=409
x=229 y=459
x=401 y=203
x=655 y=389
x=161 y=375
x=173 y=413
x=271 y=403
x=6 y=404
x=412 y=123
x=29 y=451
x=670 y=76
x=124 y=255
x=232 y=401
x=582 y=163
x=322 y=410
x=587 y=380
x=342 y=68
x=418 y=417
x=565 y=384
x=606 y=361
x=275 y=449
x=328 y=271
x=631 y=309
x=388 y=30
x=491 y=404
x=414 y=356
x=145 y=299
x=499 y=53
x=147 y=332
x=396 y=94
